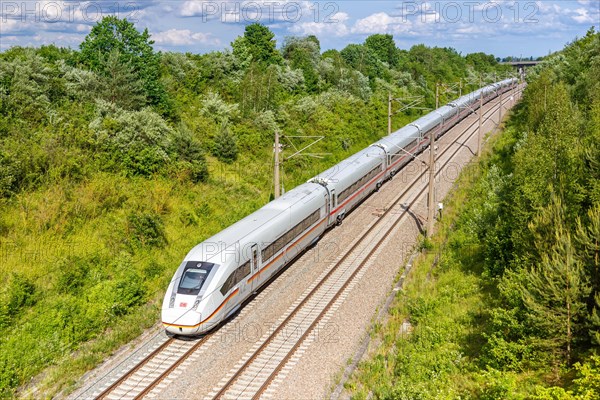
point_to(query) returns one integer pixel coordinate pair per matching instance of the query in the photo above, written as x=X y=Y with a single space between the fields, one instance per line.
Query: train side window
x=267 y=251
x=289 y=236
x=235 y=277
x=244 y=270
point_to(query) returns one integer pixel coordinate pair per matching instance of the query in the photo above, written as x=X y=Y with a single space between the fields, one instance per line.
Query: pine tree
x=225 y=146
x=588 y=240
x=556 y=290
x=112 y=33
x=120 y=84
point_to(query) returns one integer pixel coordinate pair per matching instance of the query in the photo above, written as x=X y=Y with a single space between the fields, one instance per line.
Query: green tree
x=189 y=151
x=260 y=88
x=481 y=62
x=304 y=54
x=119 y=83
x=555 y=292
x=25 y=85
x=588 y=241
x=112 y=33
x=259 y=43
x=225 y=146
x=384 y=48
x=362 y=59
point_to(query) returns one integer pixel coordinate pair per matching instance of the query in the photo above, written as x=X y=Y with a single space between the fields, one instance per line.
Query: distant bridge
x=521 y=64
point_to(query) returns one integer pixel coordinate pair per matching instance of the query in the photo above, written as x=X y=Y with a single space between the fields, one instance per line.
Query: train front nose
x=181 y=321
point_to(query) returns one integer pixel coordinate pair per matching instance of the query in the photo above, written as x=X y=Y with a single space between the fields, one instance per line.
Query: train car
x=401 y=147
x=353 y=179
x=450 y=117
x=433 y=120
x=220 y=273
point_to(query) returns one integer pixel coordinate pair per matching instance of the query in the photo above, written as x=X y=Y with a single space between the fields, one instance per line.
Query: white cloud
x=9 y=25
x=547 y=8
x=249 y=11
x=182 y=37
x=583 y=16
x=381 y=23
x=336 y=26
x=83 y=28
x=191 y=8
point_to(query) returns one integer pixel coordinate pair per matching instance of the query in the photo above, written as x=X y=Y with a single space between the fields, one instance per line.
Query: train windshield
x=194 y=276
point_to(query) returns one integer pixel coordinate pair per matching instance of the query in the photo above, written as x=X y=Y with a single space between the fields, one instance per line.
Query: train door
x=254 y=265
x=332 y=205
x=385 y=159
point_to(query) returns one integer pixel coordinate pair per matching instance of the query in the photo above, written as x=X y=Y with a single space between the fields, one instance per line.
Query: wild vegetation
x=511 y=310
x=115 y=160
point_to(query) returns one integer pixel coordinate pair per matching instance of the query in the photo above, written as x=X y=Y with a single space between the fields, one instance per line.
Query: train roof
x=343 y=166
x=428 y=121
x=271 y=213
x=400 y=138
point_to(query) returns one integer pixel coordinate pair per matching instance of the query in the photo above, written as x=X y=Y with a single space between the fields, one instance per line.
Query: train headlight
x=172 y=302
x=197 y=303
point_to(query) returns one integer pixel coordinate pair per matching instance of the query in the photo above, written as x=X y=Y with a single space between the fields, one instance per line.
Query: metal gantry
x=406 y=103
x=278 y=148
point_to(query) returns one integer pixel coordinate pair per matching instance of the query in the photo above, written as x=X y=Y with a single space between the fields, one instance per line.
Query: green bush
x=139 y=141
x=21 y=293
x=72 y=274
x=225 y=146
x=146 y=229
x=128 y=292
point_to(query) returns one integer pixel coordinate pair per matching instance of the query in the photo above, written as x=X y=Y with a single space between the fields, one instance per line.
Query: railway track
x=254 y=375
x=261 y=367
x=138 y=381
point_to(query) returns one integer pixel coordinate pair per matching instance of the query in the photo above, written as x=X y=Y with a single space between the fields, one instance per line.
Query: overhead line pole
x=500 y=107
x=276 y=149
x=431 y=181
x=389 y=113
x=430 y=199
x=480 y=134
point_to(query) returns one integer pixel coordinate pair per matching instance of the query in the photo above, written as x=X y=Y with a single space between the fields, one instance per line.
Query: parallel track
x=160 y=363
x=261 y=368
x=151 y=370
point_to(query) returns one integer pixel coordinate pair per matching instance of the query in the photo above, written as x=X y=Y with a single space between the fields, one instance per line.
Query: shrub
x=189 y=150
x=72 y=273
x=217 y=109
x=129 y=292
x=137 y=140
x=199 y=171
x=225 y=147
x=21 y=293
x=146 y=230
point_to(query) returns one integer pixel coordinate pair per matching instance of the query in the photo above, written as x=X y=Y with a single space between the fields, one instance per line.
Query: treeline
x=116 y=159
x=117 y=105
x=542 y=230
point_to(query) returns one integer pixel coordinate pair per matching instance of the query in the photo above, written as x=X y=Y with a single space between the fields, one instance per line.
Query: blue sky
x=499 y=27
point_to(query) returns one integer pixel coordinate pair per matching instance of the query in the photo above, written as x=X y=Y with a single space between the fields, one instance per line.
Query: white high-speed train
x=219 y=274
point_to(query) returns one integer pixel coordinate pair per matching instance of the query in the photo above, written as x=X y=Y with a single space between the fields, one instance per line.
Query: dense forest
x=116 y=159
x=512 y=309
